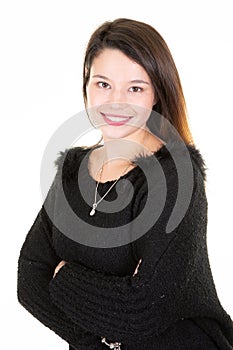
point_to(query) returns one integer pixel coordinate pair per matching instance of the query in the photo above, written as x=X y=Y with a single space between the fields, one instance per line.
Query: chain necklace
x=92 y=212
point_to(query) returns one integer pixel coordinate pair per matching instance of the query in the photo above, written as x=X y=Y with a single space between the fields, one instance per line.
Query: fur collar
x=70 y=158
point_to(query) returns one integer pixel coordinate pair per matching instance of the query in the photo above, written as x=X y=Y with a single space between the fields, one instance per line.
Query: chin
x=116 y=132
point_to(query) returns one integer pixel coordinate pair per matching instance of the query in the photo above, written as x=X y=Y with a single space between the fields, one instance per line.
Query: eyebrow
x=138 y=81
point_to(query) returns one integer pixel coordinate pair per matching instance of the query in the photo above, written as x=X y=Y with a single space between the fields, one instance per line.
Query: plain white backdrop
x=42 y=48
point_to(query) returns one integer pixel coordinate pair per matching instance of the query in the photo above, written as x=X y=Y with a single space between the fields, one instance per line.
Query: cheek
x=90 y=96
x=147 y=101
x=152 y=101
x=94 y=97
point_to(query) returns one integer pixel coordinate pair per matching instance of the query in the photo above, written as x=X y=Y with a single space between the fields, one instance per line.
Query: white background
x=42 y=48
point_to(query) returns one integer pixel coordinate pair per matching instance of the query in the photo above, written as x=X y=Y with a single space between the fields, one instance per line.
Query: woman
x=132 y=273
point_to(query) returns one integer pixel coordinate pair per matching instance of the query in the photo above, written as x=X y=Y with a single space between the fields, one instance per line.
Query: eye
x=135 y=89
x=103 y=85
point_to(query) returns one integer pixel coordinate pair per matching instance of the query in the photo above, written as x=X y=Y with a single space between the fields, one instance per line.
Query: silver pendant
x=92 y=212
x=114 y=346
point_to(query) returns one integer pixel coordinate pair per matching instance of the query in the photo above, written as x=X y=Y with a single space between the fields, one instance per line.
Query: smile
x=117 y=120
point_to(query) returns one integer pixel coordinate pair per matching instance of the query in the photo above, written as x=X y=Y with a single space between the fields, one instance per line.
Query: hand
x=136 y=270
x=61 y=263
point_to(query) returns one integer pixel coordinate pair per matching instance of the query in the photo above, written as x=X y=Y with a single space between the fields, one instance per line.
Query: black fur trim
x=68 y=161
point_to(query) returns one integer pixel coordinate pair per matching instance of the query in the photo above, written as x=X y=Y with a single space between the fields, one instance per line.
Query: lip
x=124 y=118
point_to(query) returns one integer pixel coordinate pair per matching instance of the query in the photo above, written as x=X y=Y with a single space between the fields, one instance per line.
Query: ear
x=85 y=71
x=155 y=99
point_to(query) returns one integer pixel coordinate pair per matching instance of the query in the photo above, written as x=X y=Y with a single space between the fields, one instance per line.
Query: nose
x=118 y=106
x=117 y=98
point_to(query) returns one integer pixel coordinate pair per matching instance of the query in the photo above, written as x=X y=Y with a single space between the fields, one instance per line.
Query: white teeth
x=116 y=119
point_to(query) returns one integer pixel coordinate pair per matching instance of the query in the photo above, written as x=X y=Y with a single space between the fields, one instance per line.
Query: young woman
x=127 y=267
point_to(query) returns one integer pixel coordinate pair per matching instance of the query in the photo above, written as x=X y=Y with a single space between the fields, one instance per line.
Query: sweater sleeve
x=36 y=264
x=140 y=306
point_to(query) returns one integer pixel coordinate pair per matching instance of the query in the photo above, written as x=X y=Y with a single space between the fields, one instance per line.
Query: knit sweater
x=170 y=303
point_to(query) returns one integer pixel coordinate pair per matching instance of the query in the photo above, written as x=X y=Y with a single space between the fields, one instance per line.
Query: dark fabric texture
x=171 y=303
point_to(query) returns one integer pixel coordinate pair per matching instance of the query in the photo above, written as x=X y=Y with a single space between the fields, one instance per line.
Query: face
x=120 y=95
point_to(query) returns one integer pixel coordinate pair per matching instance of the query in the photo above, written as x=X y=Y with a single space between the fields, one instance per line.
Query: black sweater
x=171 y=303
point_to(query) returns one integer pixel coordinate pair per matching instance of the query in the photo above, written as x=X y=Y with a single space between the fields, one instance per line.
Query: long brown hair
x=143 y=44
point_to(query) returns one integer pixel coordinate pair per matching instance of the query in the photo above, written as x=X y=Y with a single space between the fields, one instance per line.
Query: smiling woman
x=135 y=284
x=119 y=100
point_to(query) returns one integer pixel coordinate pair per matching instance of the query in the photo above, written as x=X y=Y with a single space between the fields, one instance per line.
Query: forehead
x=114 y=63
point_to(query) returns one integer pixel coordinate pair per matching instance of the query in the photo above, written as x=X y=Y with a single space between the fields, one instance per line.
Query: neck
x=125 y=149
x=115 y=155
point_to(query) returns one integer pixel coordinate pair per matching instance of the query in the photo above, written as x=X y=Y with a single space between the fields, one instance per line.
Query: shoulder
x=185 y=166
x=176 y=154
x=68 y=160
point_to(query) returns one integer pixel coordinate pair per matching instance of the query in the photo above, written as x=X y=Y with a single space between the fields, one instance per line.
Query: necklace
x=94 y=206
